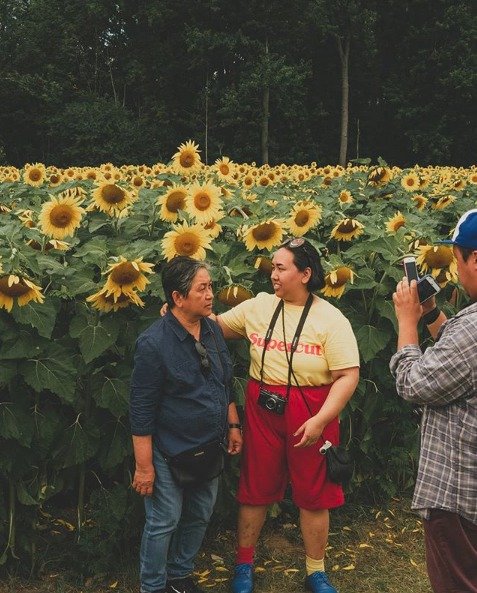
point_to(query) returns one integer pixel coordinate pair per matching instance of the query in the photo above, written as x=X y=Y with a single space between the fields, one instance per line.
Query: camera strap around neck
x=296 y=337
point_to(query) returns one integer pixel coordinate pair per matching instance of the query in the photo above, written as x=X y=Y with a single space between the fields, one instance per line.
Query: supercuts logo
x=313 y=349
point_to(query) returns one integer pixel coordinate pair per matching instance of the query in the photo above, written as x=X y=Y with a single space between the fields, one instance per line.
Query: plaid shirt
x=444 y=380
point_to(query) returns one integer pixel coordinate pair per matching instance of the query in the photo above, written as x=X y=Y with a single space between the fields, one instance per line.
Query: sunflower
x=234 y=295
x=188 y=240
x=138 y=181
x=225 y=168
x=212 y=227
x=60 y=217
x=396 y=222
x=420 y=201
x=472 y=178
x=35 y=174
x=303 y=216
x=434 y=259
x=443 y=202
x=264 y=235
x=248 y=181
x=187 y=159
x=336 y=280
x=92 y=174
x=410 y=182
x=263 y=264
x=112 y=198
x=18 y=287
x=51 y=244
x=125 y=276
x=26 y=218
x=172 y=201
x=347 y=229
x=103 y=301
x=379 y=176
x=345 y=197
x=204 y=202
x=54 y=179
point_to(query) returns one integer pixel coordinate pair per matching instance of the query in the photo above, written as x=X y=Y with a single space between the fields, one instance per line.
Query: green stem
x=82 y=467
x=80 y=507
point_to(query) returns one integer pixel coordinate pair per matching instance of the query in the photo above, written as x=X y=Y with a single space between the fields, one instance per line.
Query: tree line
x=265 y=81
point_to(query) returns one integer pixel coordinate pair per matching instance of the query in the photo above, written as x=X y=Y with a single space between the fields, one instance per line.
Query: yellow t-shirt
x=327 y=342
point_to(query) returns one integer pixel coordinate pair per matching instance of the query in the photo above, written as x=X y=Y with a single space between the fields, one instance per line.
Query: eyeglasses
x=295 y=242
x=204 y=357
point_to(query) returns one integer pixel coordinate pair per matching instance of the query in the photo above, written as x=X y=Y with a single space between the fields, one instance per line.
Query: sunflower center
x=202 y=201
x=343 y=275
x=34 y=174
x=346 y=226
x=60 y=216
x=187 y=244
x=187 y=159
x=302 y=218
x=113 y=194
x=224 y=169
x=124 y=273
x=439 y=257
x=15 y=290
x=264 y=231
x=175 y=201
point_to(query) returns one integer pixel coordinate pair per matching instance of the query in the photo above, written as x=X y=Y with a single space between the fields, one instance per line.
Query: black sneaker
x=185 y=585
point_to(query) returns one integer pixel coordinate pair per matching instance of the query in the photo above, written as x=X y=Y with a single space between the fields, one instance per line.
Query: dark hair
x=306 y=256
x=178 y=274
x=465 y=252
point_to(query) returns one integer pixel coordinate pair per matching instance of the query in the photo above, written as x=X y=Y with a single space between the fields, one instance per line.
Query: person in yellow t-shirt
x=289 y=413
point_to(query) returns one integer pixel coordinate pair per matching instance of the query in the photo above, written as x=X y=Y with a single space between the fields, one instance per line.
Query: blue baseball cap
x=465 y=233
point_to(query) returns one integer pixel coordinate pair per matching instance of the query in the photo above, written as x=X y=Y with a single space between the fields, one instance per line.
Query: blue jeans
x=176 y=521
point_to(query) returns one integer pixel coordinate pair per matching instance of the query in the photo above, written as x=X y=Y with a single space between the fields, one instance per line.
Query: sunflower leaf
x=78 y=444
x=371 y=341
x=115 y=445
x=40 y=316
x=95 y=337
x=54 y=369
x=112 y=394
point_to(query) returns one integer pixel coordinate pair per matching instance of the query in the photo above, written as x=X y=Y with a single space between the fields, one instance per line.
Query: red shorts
x=269 y=459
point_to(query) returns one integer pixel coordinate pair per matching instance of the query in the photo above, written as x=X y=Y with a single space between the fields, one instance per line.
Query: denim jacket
x=172 y=399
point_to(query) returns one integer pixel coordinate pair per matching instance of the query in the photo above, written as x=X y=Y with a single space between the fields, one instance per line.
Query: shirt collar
x=180 y=330
x=472 y=308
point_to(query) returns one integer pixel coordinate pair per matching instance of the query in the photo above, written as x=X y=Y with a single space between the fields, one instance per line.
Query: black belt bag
x=197 y=465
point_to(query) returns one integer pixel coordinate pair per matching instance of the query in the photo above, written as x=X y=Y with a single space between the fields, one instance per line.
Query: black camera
x=271 y=401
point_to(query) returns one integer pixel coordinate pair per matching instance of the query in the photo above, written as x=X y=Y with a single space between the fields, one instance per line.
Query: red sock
x=244 y=555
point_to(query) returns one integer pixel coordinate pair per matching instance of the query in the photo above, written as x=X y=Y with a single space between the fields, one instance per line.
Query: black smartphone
x=410 y=268
x=427 y=287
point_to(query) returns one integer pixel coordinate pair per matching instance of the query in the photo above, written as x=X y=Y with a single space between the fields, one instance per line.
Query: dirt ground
x=371 y=550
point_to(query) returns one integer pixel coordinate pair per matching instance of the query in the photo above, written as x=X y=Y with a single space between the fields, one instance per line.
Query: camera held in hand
x=271 y=401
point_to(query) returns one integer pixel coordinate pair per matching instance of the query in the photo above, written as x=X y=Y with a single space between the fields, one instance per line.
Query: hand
x=143 y=482
x=406 y=302
x=164 y=309
x=311 y=431
x=235 y=441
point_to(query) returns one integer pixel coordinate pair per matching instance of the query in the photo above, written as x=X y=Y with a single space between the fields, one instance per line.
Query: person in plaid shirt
x=443 y=380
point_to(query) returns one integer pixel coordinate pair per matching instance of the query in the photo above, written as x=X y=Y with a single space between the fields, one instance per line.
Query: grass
x=371 y=550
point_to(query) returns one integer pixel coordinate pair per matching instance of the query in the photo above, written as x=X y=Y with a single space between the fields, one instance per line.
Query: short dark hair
x=306 y=256
x=465 y=252
x=178 y=275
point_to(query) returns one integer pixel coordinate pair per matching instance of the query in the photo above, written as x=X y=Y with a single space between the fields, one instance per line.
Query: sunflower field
x=81 y=251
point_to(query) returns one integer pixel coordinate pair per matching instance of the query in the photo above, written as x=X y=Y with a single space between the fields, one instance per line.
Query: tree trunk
x=265 y=113
x=344 y=58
